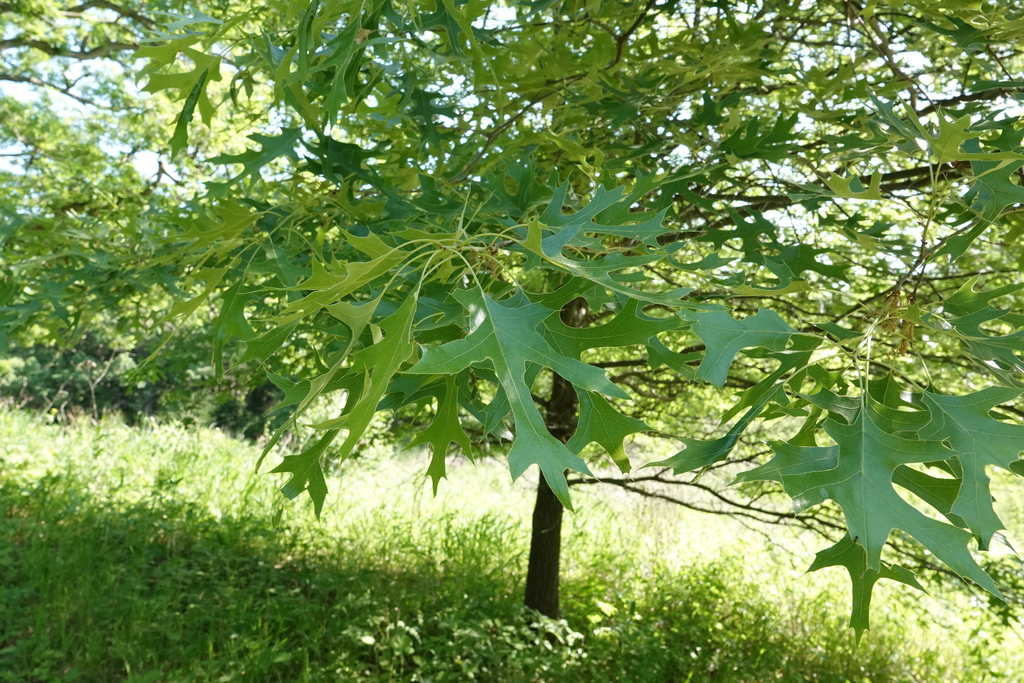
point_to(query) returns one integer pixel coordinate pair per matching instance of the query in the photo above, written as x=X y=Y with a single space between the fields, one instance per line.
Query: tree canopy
x=455 y=212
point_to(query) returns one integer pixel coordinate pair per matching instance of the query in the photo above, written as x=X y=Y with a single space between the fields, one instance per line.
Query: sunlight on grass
x=152 y=555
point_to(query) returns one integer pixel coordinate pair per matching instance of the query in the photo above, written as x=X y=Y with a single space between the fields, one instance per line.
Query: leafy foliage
x=805 y=198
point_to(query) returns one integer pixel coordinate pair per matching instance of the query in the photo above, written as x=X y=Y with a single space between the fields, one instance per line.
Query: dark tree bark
x=545 y=553
x=542 y=573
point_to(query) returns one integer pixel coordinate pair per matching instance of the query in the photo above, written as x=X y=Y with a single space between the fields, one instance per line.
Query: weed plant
x=154 y=554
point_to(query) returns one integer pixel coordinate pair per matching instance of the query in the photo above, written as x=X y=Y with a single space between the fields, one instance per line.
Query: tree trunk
x=546 y=539
x=545 y=553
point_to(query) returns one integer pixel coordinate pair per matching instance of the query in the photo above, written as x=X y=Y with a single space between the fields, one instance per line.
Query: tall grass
x=155 y=555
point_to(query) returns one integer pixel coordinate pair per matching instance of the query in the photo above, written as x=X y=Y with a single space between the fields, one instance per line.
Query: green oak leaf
x=1003 y=350
x=206 y=68
x=293 y=391
x=180 y=138
x=182 y=21
x=307 y=472
x=790 y=360
x=230 y=322
x=184 y=309
x=629 y=326
x=557 y=299
x=697 y=453
x=378 y=363
x=749 y=232
x=992 y=189
x=341 y=162
x=408 y=389
x=857 y=473
x=787 y=287
x=423 y=111
x=847 y=553
x=339 y=54
x=602 y=271
x=852 y=188
x=977 y=440
x=899 y=411
x=445 y=429
x=802 y=257
x=753 y=143
x=659 y=355
x=263 y=347
x=946 y=144
x=968 y=301
x=223 y=234
x=553 y=217
x=273 y=146
x=330 y=284
x=571 y=226
x=708 y=263
x=452 y=22
x=839 y=332
x=724 y=337
x=939 y=492
x=971 y=309
x=963 y=34
x=600 y=423
x=504 y=335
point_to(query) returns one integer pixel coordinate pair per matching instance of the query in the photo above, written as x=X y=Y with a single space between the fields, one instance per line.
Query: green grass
x=152 y=555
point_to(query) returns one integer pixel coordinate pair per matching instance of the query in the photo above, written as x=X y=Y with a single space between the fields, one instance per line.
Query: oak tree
x=539 y=228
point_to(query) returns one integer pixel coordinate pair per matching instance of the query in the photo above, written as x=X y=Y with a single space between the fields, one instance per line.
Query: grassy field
x=155 y=555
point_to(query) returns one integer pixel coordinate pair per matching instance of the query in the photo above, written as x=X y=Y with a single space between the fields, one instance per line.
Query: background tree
x=82 y=171
x=825 y=192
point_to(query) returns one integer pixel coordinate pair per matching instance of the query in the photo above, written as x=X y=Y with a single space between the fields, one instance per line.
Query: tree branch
x=620 y=41
x=993 y=94
x=33 y=80
x=106 y=4
x=57 y=51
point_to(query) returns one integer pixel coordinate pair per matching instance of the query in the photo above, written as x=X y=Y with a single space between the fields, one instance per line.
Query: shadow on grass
x=162 y=591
